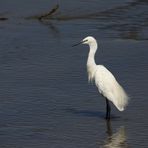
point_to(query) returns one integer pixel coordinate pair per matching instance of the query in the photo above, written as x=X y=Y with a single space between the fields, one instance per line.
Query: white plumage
x=110 y=88
x=104 y=79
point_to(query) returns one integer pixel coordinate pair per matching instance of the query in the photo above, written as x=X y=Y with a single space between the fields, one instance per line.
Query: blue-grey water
x=45 y=98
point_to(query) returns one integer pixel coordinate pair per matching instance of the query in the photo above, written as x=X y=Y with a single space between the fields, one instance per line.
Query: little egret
x=104 y=79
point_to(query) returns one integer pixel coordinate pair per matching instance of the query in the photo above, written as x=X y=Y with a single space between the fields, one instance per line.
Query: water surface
x=45 y=98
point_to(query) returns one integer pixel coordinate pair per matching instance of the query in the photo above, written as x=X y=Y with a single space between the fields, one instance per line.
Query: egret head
x=88 y=40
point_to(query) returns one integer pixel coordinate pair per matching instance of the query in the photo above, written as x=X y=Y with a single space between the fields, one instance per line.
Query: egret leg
x=109 y=128
x=108 y=109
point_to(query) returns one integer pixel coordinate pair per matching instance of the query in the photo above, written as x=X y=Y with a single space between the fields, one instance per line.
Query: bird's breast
x=91 y=70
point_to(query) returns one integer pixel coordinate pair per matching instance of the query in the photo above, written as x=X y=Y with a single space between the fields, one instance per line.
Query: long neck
x=91 y=55
x=91 y=64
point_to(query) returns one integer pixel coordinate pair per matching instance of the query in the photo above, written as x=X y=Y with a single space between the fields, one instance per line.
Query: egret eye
x=85 y=41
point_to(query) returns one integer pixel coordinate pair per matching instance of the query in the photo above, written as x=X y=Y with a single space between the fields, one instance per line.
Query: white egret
x=104 y=79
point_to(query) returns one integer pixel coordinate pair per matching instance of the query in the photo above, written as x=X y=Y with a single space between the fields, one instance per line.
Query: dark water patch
x=90 y=113
x=130 y=20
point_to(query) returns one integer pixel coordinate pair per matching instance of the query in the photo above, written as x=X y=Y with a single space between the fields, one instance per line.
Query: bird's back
x=110 y=88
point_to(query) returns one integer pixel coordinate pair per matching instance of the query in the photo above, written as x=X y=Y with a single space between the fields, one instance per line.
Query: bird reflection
x=117 y=139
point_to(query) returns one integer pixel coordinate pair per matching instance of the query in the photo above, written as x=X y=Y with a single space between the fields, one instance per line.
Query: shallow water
x=45 y=98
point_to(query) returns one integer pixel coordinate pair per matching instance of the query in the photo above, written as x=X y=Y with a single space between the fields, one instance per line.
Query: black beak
x=79 y=43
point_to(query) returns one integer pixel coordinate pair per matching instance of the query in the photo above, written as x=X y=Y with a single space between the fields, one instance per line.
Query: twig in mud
x=45 y=15
x=50 y=13
x=3 y=18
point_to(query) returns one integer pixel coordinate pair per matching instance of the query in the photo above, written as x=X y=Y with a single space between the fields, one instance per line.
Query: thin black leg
x=108 y=109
